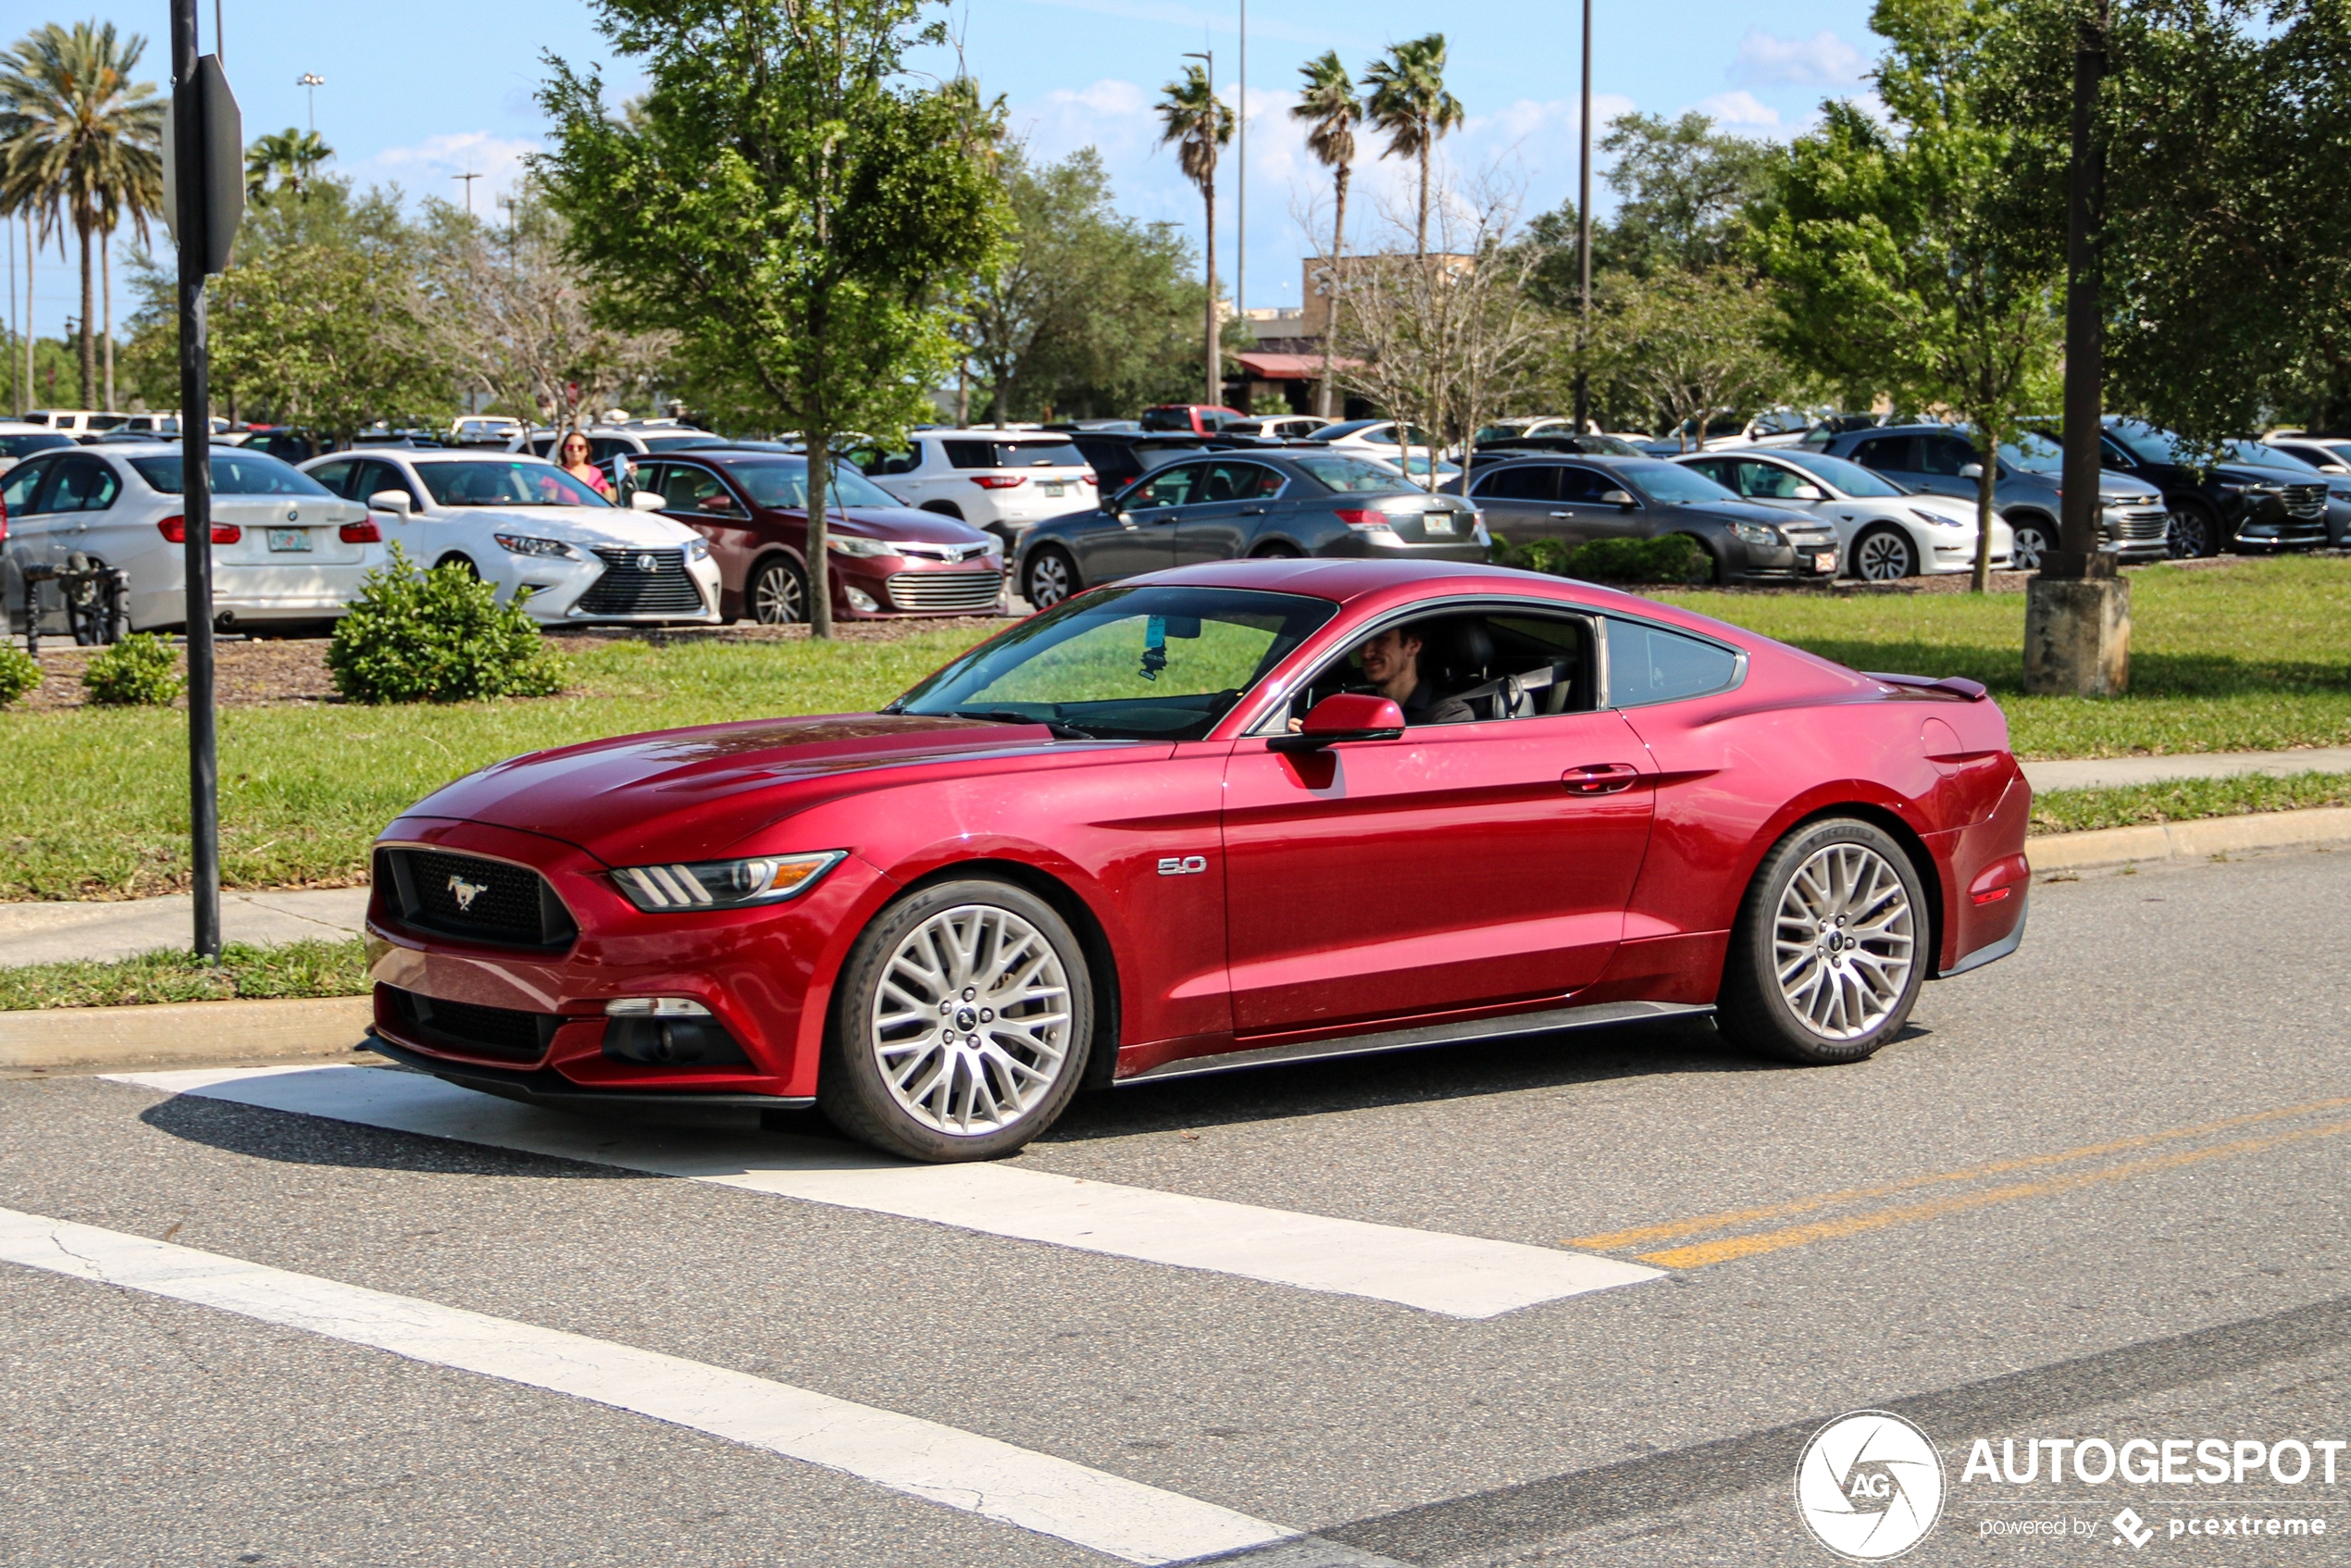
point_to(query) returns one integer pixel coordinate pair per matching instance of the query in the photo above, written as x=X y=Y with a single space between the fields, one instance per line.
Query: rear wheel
x=945 y=509
x=2192 y=532
x=962 y=1026
x=778 y=593
x=1050 y=578
x=1885 y=555
x=1827 y=955
x=460 y=560
x=2029 y=542
x=1276 y=550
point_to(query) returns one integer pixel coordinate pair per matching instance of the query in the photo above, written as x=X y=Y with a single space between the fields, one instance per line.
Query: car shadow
x=295 y=1140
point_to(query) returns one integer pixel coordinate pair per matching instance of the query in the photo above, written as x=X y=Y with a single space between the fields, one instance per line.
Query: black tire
x=1756 y=1008
x=1884 y=554
x=1048 y=577
x=2193 y=532
x=944 y=508
x=1714 y=572
x=2028 y=541
x=776 y=592
x=460 y=560
x=1277 y=550
x=853 y=1088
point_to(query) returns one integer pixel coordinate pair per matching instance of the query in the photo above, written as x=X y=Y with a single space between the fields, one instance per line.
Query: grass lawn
x=2245 y=655
x=2239 y=656
x=2077 y=811
x=292 y=970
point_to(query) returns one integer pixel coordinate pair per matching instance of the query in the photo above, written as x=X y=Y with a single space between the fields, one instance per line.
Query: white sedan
x=518 y=521
x=1882 y=532
x=284 y=550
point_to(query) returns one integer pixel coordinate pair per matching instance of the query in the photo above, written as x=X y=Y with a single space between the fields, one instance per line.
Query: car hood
x=700 y=791
x=1727 y=511
x=898 y=522
x=589 y=526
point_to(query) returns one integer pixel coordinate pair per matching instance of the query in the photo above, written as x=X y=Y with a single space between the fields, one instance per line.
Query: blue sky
x=440 y=87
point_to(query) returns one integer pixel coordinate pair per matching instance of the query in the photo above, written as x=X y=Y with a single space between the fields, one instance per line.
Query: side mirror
x=1809 y=492
x=393 y=501
x=1971 y=471
x=646 y=500
x=1622 y=498
x=1350 y=715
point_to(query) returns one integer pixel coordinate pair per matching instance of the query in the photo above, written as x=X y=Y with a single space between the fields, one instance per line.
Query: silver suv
x=1003 y=481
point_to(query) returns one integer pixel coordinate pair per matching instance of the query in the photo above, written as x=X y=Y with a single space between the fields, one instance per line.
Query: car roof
x=455 y=455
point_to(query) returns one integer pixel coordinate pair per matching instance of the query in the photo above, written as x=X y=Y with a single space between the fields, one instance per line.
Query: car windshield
x=1143 y=664
x=1037 y=455
x=681 y=444
x=2147 y=444
x=2260 y=455
x=1850 y=478
x=511 y=482
x=1348 y=473
x=233 y=473
x=31 y=442
x=1178 y=419
x=783 y=482
x=1347 y=428
x=1670 y=484
x=2033 y=454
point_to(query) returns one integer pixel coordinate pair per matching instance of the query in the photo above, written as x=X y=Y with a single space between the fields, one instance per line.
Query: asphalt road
x=2095 y=1193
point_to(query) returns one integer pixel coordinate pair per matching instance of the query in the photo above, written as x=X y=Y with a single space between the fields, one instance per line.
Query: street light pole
x=1240 y=192
x=469 y=176
x=313 y=81
x=196 y=481
x=1583 y=239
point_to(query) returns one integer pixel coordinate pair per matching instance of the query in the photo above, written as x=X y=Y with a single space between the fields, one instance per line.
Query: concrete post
x=2077 y=637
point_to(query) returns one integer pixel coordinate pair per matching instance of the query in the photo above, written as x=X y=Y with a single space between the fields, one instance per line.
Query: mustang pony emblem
x=466 y=892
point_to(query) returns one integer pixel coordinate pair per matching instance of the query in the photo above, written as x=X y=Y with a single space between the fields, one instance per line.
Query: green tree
x=1408 y=103
x=1330 y=111
x=1689 y=345
x=1199 y=124
x=292 y=157
x=1902 y=257
x=783 y=198
x=1681 y=186
x=83 y=142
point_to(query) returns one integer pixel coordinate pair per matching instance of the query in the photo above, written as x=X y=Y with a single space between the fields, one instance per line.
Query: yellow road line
x=1609 y=1241
x=1702 y=1254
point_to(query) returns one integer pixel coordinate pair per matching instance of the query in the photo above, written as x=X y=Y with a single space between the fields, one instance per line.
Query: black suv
x=2253 y=498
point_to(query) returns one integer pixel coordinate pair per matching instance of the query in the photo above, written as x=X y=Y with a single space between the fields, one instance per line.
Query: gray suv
x=1939 y=460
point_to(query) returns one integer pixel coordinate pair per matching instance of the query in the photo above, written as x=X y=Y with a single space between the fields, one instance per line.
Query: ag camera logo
x=1869 y=1486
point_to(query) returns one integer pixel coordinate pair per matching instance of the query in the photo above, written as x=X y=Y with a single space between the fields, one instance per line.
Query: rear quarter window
x=1648 y=665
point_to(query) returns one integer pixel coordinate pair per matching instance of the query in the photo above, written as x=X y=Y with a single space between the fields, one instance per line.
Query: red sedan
x=1252 y=812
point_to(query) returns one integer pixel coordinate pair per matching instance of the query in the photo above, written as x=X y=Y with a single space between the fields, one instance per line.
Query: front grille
x=2305 y=501
x=2141 y=525
x=501 y=1034
x=641 y=582
x=478 y=900
x=964 y=591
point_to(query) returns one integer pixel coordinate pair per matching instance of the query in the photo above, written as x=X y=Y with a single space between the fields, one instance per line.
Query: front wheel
x=2191 y=533
x=2028 y=543
x=778 y=593
x=962 y=1025
x=1826 y=957
x=1885 y=555
x=1050 y=578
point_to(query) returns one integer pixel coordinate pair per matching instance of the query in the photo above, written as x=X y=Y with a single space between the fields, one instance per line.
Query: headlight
x=1936 y=518
x=1757 y=533
x=698 y=549
x=848 y=544
x=2341 y=494
x=724 y=884
x=524 y=544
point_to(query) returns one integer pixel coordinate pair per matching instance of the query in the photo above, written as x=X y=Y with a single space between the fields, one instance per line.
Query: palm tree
x=1199 y=123
x=293 y=155
x=1329 y=106
x=1408 y=103
x=87 y=142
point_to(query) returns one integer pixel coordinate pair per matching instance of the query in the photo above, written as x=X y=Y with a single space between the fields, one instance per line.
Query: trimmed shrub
x=141 y=671
x=20 y=673
x=1675 y=558
x=441 y=636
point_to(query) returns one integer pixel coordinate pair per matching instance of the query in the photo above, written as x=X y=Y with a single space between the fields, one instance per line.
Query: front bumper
x=897 y=586
x=563 y=593
x=1799 y=560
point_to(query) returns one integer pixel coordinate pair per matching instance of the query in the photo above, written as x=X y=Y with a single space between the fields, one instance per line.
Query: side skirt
x=1517 y=1025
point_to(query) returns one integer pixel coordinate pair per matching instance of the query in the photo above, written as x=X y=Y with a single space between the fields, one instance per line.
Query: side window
x=1170 y=487
x=1648 y=663
x=335 y=477
x=84 y=485
x=970 y=453
x=603 y=447
x=687 y=487
x=1944 y=456
x=1522 y=481
x=1241 y=481
x=16 y=490
x=1768 y=480
x=1587 y=485
x=1886 y=454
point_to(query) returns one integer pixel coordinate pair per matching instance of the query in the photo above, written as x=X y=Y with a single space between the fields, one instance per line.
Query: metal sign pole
x=196 y=477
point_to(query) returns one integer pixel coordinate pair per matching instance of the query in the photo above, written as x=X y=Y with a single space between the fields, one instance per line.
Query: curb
x=69 y=1039
x=2199 y=839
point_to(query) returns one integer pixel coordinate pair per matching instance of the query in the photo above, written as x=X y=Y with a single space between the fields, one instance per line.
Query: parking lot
x=1588 y=1296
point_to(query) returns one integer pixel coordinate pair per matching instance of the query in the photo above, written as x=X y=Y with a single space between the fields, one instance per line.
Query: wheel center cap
x=965 y=1018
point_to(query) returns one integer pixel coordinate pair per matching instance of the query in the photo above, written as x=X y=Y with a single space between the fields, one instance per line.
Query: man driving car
x=1391 y=662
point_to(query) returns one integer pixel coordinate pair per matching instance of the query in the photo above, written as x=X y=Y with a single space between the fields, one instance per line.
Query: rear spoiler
x=1956 y=685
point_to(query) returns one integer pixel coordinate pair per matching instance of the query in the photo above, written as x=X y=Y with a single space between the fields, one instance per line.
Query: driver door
x=1142 y=537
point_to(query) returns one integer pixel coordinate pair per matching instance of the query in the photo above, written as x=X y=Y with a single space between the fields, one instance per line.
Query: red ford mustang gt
x=1169 y=827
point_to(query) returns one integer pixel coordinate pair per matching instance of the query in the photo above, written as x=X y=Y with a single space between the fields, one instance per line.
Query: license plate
x=1051 y=487
x=1436 y=522
x=283 y=539
x=1824 y=563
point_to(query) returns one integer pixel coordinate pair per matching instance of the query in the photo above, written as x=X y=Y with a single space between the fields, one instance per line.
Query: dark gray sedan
x=1232 y=505
x=1583 y=500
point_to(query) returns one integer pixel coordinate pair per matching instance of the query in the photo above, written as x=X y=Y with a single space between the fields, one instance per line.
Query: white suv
x=1004 y=481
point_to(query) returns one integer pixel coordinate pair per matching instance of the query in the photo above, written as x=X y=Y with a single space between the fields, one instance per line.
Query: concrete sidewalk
x=2101 y=773
x=49 y=933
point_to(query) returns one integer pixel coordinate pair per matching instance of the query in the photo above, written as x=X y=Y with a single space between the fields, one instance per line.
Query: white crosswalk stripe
x=1460 y=1276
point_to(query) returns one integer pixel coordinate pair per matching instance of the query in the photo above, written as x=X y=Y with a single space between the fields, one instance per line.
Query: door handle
x=1562 y=515
x=1253 y=511
x=1600 y=777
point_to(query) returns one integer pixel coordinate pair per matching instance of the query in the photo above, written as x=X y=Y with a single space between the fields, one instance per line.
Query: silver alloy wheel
x=1049 y=581
x=1842 y=942
x=2185 y=536
x=2026 y=546
x=971 y=1020
x=1886 y=555
x=775 y=596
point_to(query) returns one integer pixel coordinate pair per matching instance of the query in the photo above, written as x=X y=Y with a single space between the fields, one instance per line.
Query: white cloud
x=1741 y=110
x=432 y=166
x=1822 y=60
